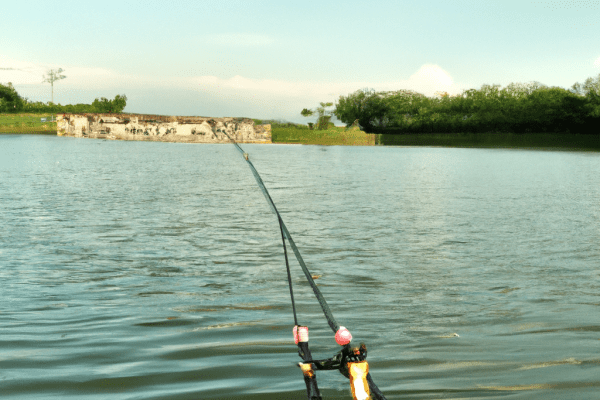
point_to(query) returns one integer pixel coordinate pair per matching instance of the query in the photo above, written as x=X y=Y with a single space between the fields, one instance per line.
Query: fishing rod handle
x=310 y=378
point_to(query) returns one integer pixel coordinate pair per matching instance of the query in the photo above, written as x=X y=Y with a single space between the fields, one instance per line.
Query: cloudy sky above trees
x=271 y=59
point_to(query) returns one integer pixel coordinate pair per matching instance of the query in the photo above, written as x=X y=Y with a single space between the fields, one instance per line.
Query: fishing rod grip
x=310 y=378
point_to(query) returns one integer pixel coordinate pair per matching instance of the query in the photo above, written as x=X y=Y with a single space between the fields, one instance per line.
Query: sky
x=270 y=59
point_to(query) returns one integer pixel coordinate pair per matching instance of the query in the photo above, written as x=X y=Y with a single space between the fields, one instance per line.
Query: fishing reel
x=343 y=358
x=350 y=361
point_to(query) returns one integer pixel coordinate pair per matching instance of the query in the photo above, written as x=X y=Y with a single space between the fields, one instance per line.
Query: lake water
x=133 y=270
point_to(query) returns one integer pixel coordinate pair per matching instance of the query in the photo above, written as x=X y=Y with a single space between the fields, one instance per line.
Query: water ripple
x=155 y=270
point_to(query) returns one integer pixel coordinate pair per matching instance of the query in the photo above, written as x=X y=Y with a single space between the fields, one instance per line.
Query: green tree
x=590 y=85
x=522 y=90
x=324 y=115
x=367 y=106
x=119 y=103
x=10 y=101
x=103 y=105
x=591 y=90
x=53 y=76
x=554 y=109
x=517 y=108
x=402 y=107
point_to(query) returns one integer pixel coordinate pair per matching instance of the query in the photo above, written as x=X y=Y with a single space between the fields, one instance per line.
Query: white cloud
x=237 y=95
x=263 y=86
x=432 y=75
x=427 y=80
x=273 y=98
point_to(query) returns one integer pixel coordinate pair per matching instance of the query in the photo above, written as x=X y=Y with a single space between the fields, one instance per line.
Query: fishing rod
x=350 y=361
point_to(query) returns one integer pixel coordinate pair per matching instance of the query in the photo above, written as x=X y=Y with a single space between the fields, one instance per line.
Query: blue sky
x=270 y=59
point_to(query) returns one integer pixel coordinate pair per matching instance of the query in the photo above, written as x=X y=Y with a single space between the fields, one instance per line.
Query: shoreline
x=44 y=132
x=547 y=147
x=590 y=145
x=532 y=141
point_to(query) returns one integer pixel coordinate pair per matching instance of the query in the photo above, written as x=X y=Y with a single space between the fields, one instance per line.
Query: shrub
x=10 y=101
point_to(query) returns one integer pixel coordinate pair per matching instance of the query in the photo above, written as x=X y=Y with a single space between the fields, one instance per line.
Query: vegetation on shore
x=520 y=115
x=287 y=132
x=518 y=108
x=19 y=115
x=324 y=116
x=283 y=132
x=11 y=102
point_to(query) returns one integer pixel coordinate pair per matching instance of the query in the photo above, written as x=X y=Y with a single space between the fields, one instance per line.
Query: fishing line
x=287 y=266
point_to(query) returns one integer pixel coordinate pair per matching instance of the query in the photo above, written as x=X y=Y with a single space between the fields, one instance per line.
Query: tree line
x=516 y=108
x=12 y=102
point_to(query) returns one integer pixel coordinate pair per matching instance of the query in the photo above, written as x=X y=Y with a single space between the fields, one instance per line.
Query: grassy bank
x=496 y=140
x=289 y=133
x=27 y=123
x=332 y=136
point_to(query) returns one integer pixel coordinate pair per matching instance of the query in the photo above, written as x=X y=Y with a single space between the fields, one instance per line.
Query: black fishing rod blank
x=351 y=362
